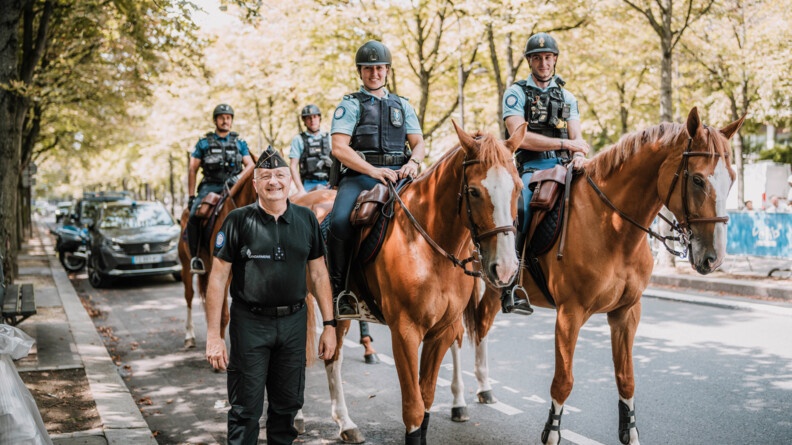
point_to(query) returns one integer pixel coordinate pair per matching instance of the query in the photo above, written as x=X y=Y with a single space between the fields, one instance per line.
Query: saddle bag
x=547 y=186
x=368 y=205
x=207 y=205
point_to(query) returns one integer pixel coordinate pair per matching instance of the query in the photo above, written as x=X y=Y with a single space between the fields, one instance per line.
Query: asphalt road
x=704 y=375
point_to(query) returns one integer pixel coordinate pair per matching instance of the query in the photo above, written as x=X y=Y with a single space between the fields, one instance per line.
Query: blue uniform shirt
x=297 y=144
x=514 y=100
x=203 y=145
x=347 y=114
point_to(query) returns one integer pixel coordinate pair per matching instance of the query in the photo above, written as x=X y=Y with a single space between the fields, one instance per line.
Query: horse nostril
x=494 y=270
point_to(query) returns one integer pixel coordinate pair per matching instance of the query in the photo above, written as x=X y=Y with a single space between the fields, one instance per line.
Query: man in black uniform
x=266 y=246
x=221 y=155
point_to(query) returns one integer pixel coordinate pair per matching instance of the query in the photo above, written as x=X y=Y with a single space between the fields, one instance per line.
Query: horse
x=682 y=166
x=467 y=199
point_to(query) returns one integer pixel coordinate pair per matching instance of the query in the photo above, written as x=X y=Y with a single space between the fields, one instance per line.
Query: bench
x=19 y=303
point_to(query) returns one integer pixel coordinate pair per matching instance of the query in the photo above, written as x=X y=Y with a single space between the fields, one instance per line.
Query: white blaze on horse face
x=500 y=186
x=721 y=181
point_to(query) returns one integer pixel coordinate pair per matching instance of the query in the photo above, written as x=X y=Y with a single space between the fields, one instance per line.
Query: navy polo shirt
x=268 y=257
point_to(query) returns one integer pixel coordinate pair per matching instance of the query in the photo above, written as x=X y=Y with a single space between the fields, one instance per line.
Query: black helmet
x=372 y=53
x=541 y=43
x=310 y=110
x=222 y=109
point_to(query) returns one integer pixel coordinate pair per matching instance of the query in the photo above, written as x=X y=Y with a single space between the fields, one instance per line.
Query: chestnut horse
x=467 y=198
x=685 y=168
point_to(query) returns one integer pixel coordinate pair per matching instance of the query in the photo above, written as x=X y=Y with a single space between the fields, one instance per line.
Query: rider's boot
x=344 y=302
x=514 y=298
x=193 y=231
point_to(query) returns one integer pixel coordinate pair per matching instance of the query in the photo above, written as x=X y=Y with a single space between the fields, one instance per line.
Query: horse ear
x=693 y=122
x=516 y=139
x=465 y=139
x=733 y=127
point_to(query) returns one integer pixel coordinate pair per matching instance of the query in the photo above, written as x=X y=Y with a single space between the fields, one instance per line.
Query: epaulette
x=349 y=96
x=233 y=133
x=208 y=134
x=405 y=98
x=559 y=81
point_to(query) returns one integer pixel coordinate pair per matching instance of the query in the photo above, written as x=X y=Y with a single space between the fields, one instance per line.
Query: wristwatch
x=332 y=323
x=417 y=162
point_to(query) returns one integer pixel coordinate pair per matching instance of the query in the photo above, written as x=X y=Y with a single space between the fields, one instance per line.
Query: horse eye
x=474 y=192
x=699 y=181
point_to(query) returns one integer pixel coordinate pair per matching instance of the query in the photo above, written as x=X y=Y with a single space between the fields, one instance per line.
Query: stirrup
x=514 y=300
x=350 y=306
x=197 y=266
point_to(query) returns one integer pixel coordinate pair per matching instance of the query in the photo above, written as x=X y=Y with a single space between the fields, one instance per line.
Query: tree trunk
x=664 y=258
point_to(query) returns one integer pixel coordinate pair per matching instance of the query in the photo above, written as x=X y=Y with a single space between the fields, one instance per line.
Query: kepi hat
x=271 y=159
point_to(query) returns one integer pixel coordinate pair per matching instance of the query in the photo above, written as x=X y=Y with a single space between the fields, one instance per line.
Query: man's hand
x=384 y=175
x=190 y=202
x=327 y=343
x=576 y=146
x=232 y=180
x=578 y=161
x=216 y=353
x=408 y=170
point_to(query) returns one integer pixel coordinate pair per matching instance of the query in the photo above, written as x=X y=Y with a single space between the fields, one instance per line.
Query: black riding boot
x=193 y=233
x=344 y=302
x=514 y=298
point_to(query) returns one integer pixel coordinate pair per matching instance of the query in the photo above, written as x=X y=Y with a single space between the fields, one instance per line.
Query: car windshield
x=136 y=216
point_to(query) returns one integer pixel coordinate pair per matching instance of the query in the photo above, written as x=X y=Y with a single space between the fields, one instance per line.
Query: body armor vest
x=380 y=129
x=545 y=111
x=222 y=159
x=315 y=158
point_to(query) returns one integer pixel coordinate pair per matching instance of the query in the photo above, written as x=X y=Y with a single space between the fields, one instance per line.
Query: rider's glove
x=232 y=180
x=190 y=202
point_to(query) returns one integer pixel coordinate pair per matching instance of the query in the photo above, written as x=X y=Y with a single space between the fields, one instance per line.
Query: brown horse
x=685 y=168
x=468 y=198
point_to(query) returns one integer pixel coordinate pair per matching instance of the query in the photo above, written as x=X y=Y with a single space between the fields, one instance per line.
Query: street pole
x=170 y=167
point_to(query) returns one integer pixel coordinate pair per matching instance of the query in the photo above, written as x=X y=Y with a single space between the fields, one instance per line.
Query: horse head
x=697 y=193
x=490 y=190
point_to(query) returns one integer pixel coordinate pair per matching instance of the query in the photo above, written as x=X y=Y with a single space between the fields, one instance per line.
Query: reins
x=682 y=228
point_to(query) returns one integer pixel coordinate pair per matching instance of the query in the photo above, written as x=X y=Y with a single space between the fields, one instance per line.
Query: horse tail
x=470 y=315
x=310 y=337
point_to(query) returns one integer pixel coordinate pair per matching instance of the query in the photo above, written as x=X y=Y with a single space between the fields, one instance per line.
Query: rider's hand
x=190 y=202
x=216 y=353
x=408 y=170
x=384 y=175
x=576 y=146
x=578 y=162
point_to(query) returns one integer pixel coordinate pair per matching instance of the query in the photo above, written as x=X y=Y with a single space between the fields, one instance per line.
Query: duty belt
x=524 y=156
x=277 y=311
x=383 y=160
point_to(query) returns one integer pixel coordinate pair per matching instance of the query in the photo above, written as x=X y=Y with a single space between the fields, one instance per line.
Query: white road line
x=578 y=439
x=511 y=389
x=443 y=382
x=386 y=359
x=491 y=381
x=535 y=398
x=571 y=409
x=353 y=345
x=504 y=408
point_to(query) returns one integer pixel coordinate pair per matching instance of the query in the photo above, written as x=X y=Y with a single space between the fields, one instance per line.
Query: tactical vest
x=222 y=159
x=380 y=129
x=314 y=160
x=545 y=111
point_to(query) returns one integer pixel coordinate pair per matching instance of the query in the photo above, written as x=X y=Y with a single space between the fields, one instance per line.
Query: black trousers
x=266 y=352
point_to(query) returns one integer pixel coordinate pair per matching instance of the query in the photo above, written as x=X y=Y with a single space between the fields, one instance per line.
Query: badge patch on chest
x=396 y=117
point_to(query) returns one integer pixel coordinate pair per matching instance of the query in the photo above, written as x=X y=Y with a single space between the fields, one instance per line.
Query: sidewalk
x=66 y=339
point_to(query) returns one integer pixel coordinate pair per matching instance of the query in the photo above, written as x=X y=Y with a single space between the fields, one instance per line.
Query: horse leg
x=489 y=306
x=348 y=431
x=568 y=323
x=484 y=392
x=623 y=324
x=432 y=353
x=405 y=341
x=189 y=295
x=459 y=411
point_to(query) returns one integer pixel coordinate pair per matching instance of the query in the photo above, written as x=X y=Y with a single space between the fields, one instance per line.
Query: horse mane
x=491 y=152
x=666 y=134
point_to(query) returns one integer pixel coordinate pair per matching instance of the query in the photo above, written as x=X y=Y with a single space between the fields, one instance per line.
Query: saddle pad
x=548 y=230
x=372 y=241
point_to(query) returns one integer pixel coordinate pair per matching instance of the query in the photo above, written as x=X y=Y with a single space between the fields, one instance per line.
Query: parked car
x=132 y=239
x=62 y=210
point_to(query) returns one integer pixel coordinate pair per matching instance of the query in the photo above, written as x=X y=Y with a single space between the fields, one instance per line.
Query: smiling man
x=267 y=247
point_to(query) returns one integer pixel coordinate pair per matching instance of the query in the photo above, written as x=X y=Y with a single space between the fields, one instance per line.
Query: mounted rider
x=370 y=131
x=553 y=136
x=309 y=156
x=221 y=155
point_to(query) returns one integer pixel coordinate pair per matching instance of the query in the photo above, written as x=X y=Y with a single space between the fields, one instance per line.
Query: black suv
x=132 y=239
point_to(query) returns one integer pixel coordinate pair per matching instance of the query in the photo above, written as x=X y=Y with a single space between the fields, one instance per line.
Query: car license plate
x=146 y=259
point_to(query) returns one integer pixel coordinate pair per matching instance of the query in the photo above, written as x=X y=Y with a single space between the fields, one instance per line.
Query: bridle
x=477 y=235
x=682 y=227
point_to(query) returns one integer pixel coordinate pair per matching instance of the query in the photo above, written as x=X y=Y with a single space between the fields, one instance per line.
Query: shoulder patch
x=511 y=100
x=220 y=240
x=349 y=97
x=405 y=98
x=339 y=113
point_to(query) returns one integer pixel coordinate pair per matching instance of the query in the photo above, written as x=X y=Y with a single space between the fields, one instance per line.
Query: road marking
x=571 y=409
x=578 y=439
x=352 y=345
x=443 y=382
x=386 y=359
x=535 y=398
x=491 y=381
x=511 y=389
x=504 y=408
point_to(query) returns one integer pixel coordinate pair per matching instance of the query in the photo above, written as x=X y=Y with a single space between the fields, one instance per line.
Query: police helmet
x=372 y=53
x=310 y=110
x=541 y=43
x=222 y=109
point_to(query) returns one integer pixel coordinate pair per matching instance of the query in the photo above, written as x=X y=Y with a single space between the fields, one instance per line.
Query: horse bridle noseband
x=477 y=236
x=682 y=227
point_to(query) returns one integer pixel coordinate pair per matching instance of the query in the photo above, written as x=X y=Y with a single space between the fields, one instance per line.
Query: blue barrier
x=760 y=234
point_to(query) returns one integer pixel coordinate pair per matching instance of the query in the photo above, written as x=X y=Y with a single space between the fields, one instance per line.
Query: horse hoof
x=371 y=359
x=486 y=397
x=459 y=414
x=189 y=343
x=299 y=425
x=352 y=436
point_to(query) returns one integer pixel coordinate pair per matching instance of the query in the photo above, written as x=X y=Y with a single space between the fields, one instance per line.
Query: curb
x=122 y=421
x=737 y=303
x=776 y=289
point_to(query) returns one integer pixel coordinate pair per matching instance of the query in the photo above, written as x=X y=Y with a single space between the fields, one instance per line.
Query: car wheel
x=71 y=262
x=95 y=277
x=177 y=276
